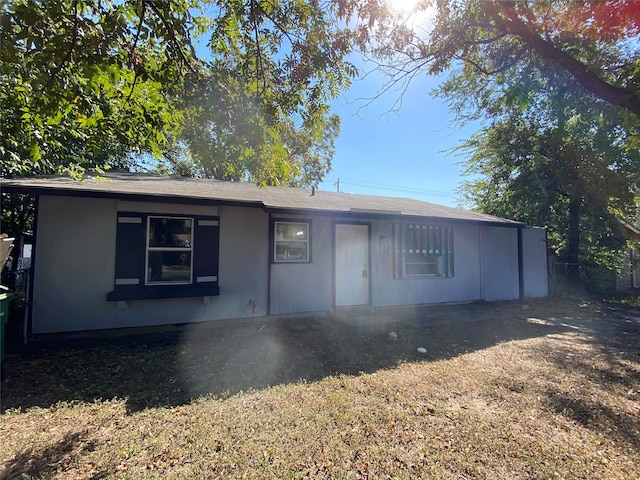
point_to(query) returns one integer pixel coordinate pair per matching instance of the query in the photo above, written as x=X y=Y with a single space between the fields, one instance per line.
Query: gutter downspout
x=481 y=259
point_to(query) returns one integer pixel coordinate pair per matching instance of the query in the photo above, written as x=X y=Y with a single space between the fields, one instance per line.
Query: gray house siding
x=304 y=287
x=499 y=263
x=242 y=276
x=74 y=264
x=75 y=267
x=299 y=288
x=463 y=286
x=535 y=263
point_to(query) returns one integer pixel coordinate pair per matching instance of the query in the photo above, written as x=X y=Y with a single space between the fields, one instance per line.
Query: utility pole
x=337 y=185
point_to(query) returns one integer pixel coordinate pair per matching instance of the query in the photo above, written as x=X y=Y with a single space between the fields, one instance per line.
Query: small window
x=291 y=242
x=169 y=250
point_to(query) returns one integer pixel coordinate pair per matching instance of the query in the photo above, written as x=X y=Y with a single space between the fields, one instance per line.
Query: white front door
x=352 y=265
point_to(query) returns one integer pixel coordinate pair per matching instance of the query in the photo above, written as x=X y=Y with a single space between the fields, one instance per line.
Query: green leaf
x=35 y=152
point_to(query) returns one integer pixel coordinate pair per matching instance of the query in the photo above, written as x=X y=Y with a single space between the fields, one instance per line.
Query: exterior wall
x=629 y=279
x=74 y=264
x=464 y=286
x=624 y=282
x=482 y=271
x=499 y=263
x=75 y=261
x=535 y=263
x=305 y=287
x=635 y=272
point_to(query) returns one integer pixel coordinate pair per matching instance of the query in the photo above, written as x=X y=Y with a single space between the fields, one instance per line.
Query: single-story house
x=127 y=250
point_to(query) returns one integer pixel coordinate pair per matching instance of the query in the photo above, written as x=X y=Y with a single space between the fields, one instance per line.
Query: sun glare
x=419 y=13
x=403 y=6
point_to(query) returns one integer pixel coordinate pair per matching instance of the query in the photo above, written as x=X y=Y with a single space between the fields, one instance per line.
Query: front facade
x=112 y=253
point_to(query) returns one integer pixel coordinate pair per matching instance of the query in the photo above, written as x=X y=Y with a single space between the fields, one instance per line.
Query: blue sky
x=399 y=154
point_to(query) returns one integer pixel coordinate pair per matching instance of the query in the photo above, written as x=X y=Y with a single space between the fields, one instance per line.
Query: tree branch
x=133 y=50
x=496 y=71
x=67 y=57
x=172 y=36
x=586 y=77
x=259 y=68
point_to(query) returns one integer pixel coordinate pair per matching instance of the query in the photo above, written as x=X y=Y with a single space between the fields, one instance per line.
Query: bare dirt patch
x=548 y=391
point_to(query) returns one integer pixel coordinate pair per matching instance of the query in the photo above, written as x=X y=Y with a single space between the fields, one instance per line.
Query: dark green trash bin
x=5 y=299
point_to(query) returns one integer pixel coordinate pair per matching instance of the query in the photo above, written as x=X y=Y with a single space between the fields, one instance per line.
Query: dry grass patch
x=564 y=405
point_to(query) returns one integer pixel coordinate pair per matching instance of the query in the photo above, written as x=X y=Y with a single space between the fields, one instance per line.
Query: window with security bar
x=420 y=250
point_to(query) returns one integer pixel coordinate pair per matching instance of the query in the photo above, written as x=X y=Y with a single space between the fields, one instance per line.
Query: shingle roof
x=207 y=191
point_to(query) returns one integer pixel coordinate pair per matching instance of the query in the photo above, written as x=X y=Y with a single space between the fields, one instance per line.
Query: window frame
x=149 y=249
x=273 y=241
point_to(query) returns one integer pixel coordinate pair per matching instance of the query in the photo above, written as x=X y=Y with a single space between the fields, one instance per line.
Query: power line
x=395 y=188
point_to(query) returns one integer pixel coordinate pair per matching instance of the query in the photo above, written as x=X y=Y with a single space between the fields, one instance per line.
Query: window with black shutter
x=165 y=256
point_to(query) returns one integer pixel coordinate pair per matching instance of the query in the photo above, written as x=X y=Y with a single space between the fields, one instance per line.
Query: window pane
x=169 y=267
x=419 y=264
x=291 y=252
x=422 y=269
x=170 y=232
x=291 y=231
x=291 y=242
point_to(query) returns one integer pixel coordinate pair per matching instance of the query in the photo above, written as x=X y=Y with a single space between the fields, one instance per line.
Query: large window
x=420 y=250
x=163 y=256
x=291 y=242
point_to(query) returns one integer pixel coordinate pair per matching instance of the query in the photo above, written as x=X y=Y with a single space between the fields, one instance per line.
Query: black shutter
x=206 y=245
x=130 y=249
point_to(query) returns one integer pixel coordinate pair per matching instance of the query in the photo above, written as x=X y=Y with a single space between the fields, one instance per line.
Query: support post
x=520 y=267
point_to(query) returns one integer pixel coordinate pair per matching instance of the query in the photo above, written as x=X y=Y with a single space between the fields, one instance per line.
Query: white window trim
x=149 y=248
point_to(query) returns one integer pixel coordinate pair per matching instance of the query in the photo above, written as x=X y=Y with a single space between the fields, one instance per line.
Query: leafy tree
x=558 y=85
x=553 y=177
x=227 y=89
x=593 y=42
x=85 y=82
x=262 y=113
x=559 y=160
x=240 y=141
x=91 y=83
